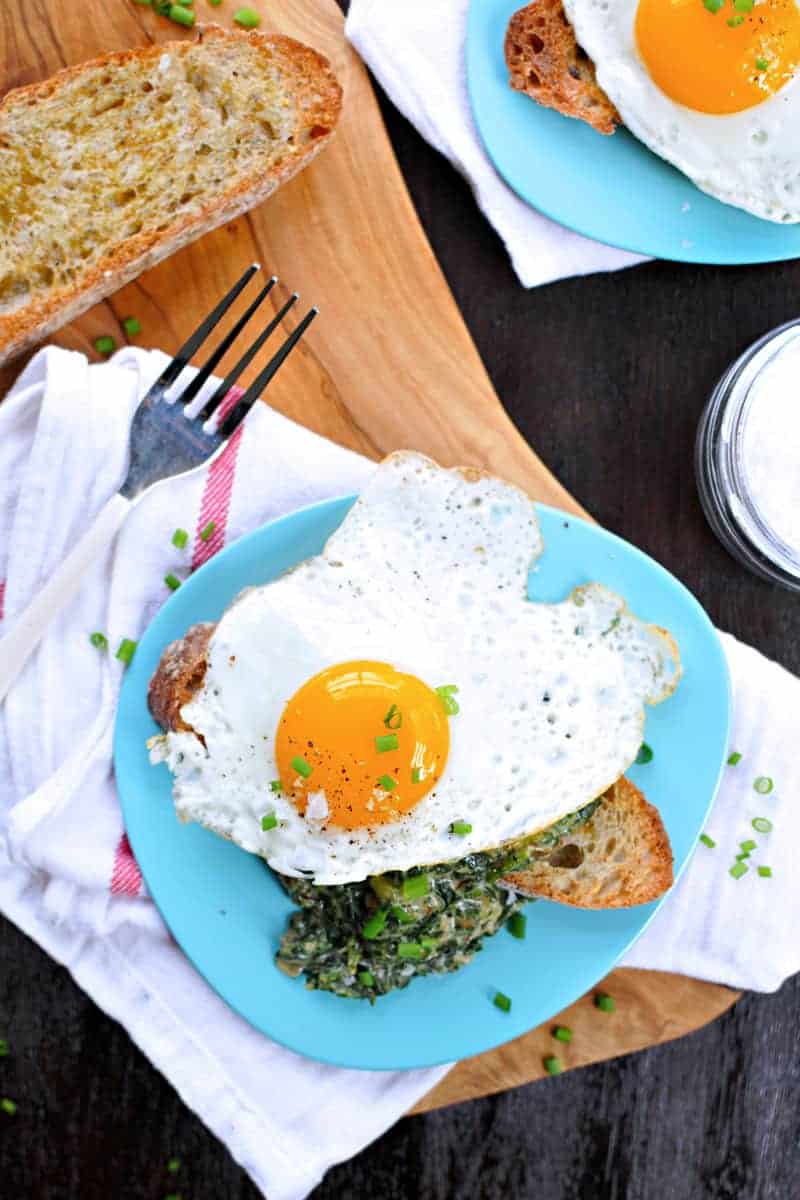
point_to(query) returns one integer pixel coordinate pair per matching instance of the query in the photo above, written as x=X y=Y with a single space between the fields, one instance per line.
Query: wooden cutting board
x=388 y=364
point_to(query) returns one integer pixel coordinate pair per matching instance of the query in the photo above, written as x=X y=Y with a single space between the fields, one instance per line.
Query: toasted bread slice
x=110 y=166
x=545 y=61
x=619 y=857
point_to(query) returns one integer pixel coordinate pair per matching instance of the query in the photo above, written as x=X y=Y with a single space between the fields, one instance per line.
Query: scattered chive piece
x=179 y=538
x=445 y=694
x=99 y=640
x=300 y=765
x=502 y=1001
x=105 y=344
x=562 y=1033
x=552 y=1065
x=762 y=824
x=268 y=821
x=8 y=1106
x=386 y=741
x=215 y=3
x=735 y=21
x=387 y=783
x=143 y=2
x=416 y=775
x=181 y=15
x=713 y=6
x=172 y=582
x=185 y=3
x=738 y=870
x=409 y=950
x=415 y=886
x=741 y=857
x=132 y=326
x=366 y=978
x=734 y=758
x=206 y=533
x=375 y=924
x=429 y=943
x=761 y=64
x=743 y=6
x=248 y=18
x=605 y=1002
x=748 y=845
x=707 y=841
x=401 y=915
x=763 y=785
x=645 y=754
x=174 y=1196
x=461 y=828
x=173 y=1166
x=275 y=785
x=516 y=925
x=765 y=872
x=393 y=718
x=126 y=651
x=3 y=1048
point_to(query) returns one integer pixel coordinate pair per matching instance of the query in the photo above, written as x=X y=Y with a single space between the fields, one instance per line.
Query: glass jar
x=747 y=467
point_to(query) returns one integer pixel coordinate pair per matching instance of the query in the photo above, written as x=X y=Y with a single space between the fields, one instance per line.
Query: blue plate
x=612 y=189
x=227 y=911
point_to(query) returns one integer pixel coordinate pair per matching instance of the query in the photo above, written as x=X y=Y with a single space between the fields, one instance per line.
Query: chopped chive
x=734 y=22
x=179 y=538
x=3 y=1048
x=645 y=754
x=563 y=1033
x=105 y=344
x=738 y=869
x=207 y=531
x=181 y=15
x=268 y=821
x=8 y=1106
x=461 y=828
x=741 y=857
x=502 y=1001
x=416 y=775
x=132 y=326
x=275 y=785
x=765 y=872
x=173 y=1166
x=516 y=925
x=366 y=978
x=430 y=943
x=415 y=886
x=387 y=783
x=248 y=18
x=401 y=915
x=99 y=640
x=743 y=6
x=761 y=64
x=552 y=1065
x=410 y=950
x=300 y=765
x=445 y=694
x=386 y=741
x=375 y=924
x=763 y=785
x=172 y=582
x=215 y=3
x=762 y=824
x=713 y=6
x=748 y=845
x=734 y=758
x=174 y=1196
x=126 y=651
x=605 y=1002
x=393 y=718
x=707 y=841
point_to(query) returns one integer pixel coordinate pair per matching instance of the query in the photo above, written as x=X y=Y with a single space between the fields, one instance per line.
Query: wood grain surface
x=606 y=377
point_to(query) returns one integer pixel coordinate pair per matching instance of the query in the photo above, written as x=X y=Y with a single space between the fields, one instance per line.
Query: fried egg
x=709 y=85
x=397 y=700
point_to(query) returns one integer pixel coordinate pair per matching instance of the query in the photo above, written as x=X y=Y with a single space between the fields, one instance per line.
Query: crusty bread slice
x=545 y=61
x=110 y=166
x=619 y=857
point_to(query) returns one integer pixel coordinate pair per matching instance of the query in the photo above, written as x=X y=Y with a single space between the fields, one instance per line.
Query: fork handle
x=18 y=645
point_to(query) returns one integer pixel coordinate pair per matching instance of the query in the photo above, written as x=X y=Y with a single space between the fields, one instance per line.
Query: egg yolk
x=719 y=56
x=373 y=740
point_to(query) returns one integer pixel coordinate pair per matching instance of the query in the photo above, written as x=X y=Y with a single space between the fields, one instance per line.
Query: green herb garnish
x=707 y=841
x=132 y=326
x=552 y=1065
x=762 y=824
x=461 y=828
x=563 y=1033
x=516 y=925
x=410 y=950
x=763 y=785
x=105 y=344
x=268 y=821
x=366 y=978
x=645 y=754
x=206 y=532
x=172 y=582
x=275 y=785
x=375 y=924
x=173 y=1166
x=8 y=1106
x=502 y=1001
x=445 y=695
x=605 y=1003
x=300 y=765
x=738 y=869
x=416 y=775
x=765 y=872
x=126 y=651
x=415 y=886
x=179 y=538
x=181 y=15
x=386 y=741
x=387 y=783
x=713 y=6
x=99 y=640
x=393 y=718
x=734 y=758
x=248 y=18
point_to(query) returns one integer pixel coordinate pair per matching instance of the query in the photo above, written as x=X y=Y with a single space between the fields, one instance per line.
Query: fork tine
x=174 y=368
x=192 y=389
x=238 y=414
x=213 y=403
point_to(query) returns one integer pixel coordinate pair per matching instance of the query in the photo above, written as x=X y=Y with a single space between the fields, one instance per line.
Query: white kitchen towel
x=67 y=875
x=416 y=52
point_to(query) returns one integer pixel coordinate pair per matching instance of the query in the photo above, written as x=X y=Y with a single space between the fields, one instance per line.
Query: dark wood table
x=607 y=375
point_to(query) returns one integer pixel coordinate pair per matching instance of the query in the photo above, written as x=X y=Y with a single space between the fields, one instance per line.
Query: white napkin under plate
x=67 y=875
x=416 y=52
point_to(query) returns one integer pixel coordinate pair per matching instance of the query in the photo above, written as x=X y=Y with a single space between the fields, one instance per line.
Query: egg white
x=750 y=159
x=429 y=573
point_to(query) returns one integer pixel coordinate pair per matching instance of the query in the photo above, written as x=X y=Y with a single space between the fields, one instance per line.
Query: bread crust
x=545 y=61
x=322 y=98
x=179 y=674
